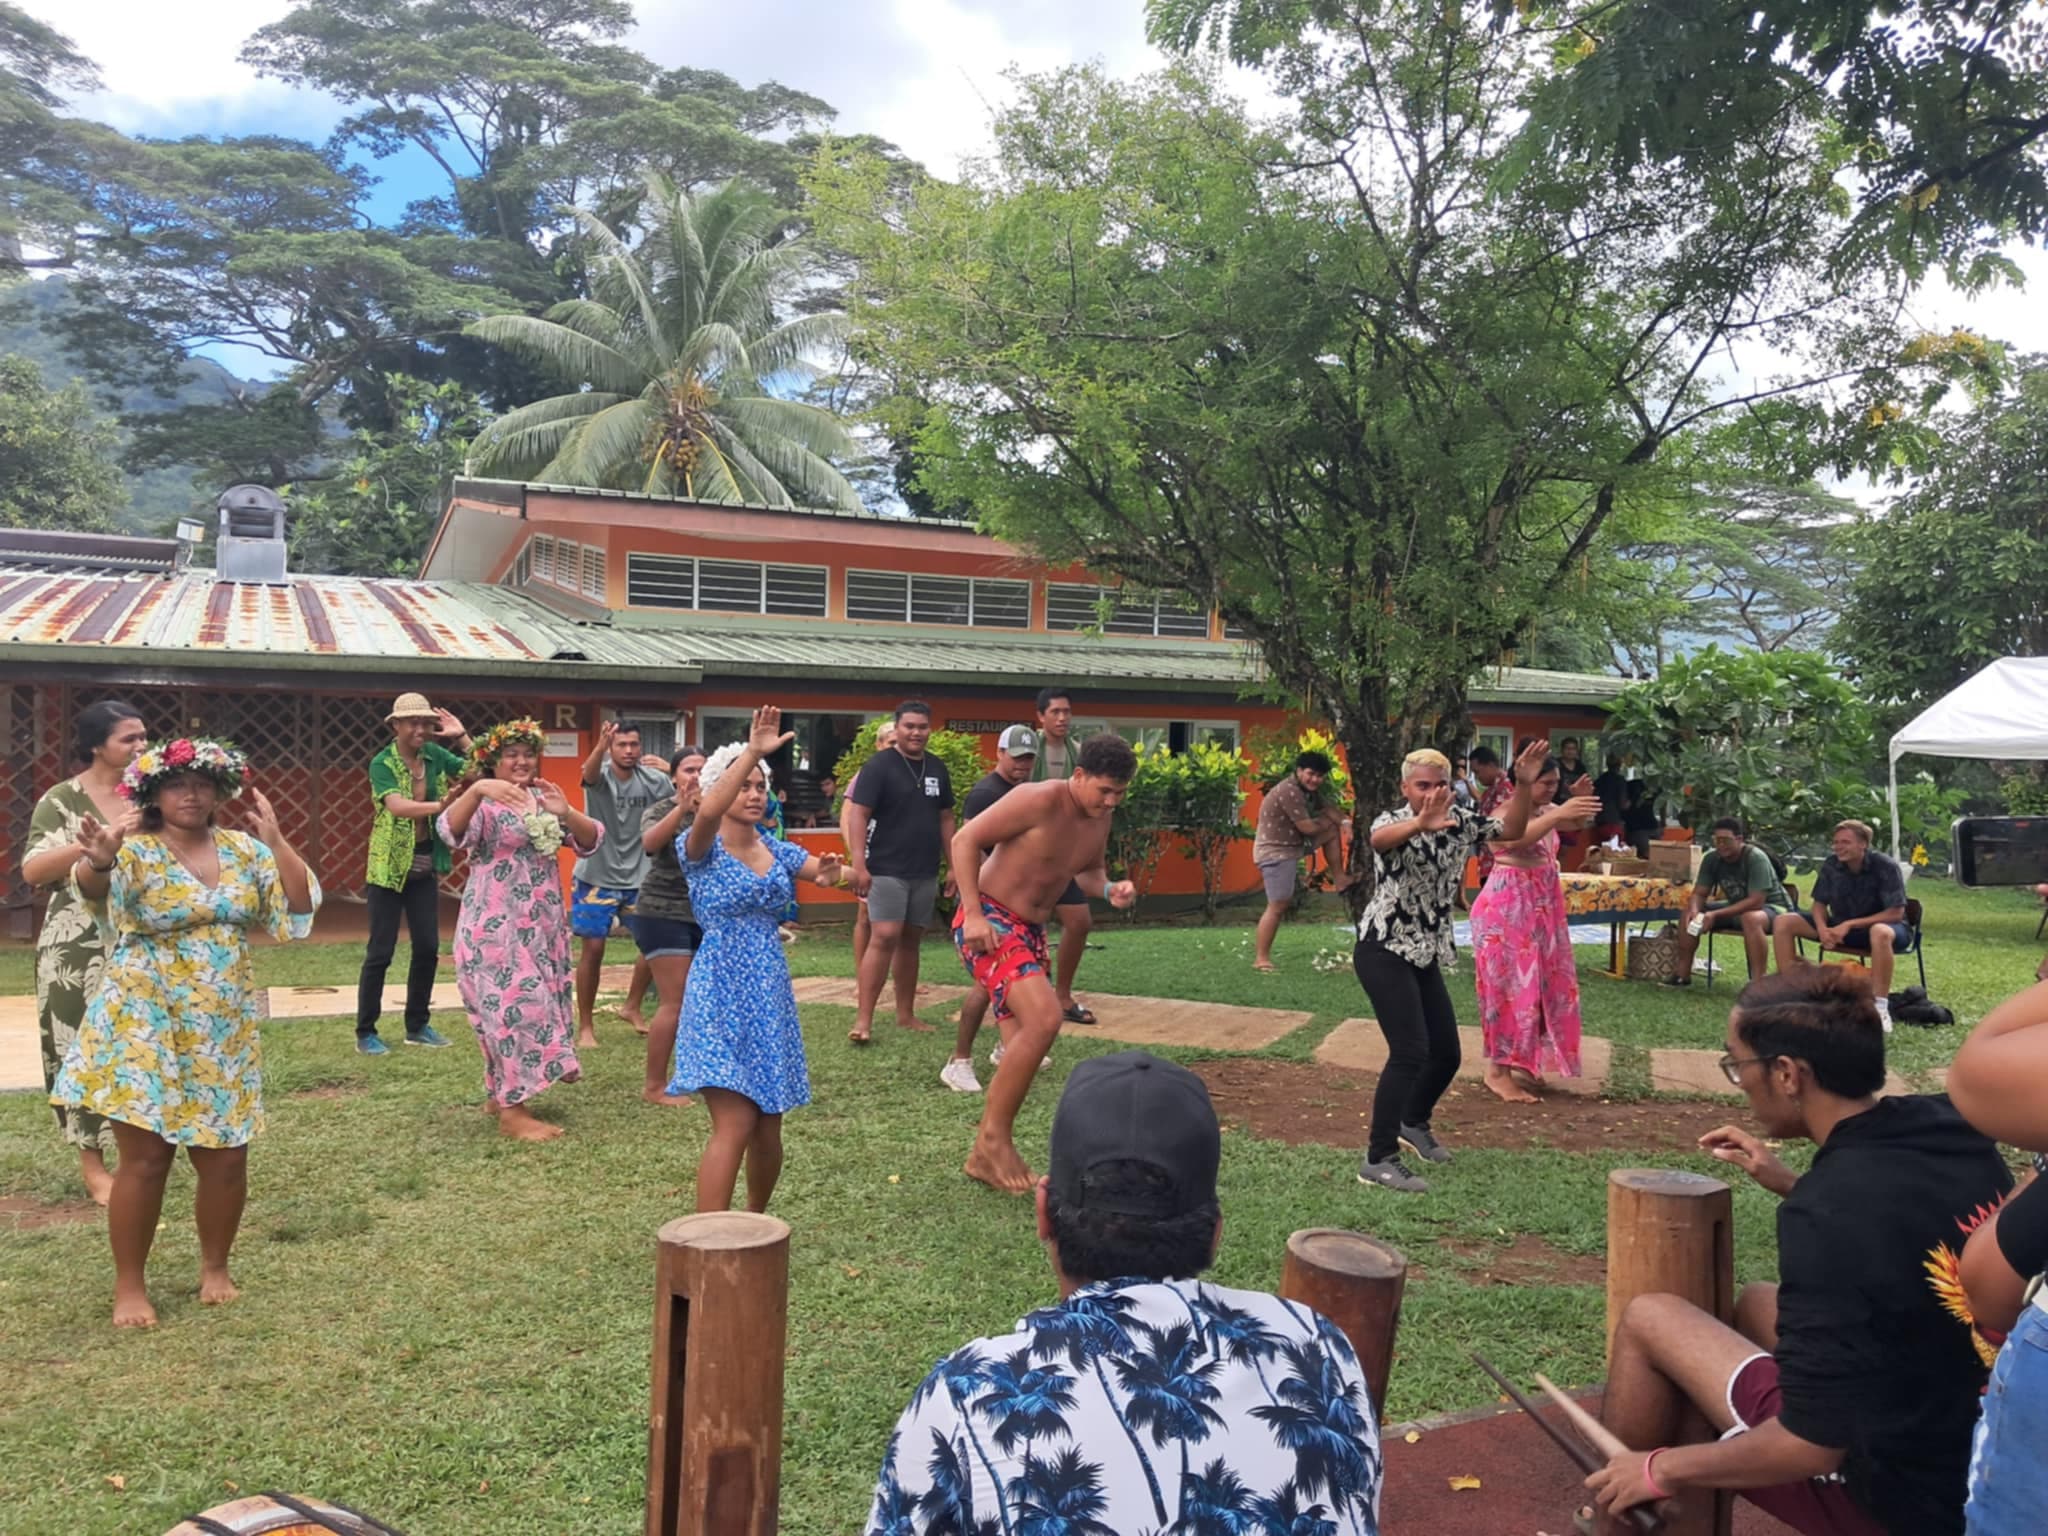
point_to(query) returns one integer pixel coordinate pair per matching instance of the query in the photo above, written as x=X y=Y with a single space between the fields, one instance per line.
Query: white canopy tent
x=2002 y=712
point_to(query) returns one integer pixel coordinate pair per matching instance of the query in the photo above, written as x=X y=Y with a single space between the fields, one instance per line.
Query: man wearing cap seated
x=408 y=784
x=1145 y=1399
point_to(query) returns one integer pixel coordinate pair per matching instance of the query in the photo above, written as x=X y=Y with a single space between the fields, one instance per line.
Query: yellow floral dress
x=169 y=1041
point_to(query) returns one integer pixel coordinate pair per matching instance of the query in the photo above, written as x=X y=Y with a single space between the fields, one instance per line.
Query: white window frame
x=543 y=547
x=761 y=568
x=680 y=560
x=592 y=566
x=910 y=579
x=1160 y=601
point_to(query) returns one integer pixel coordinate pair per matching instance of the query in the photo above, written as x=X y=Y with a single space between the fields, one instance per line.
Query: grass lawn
x=451 y=1331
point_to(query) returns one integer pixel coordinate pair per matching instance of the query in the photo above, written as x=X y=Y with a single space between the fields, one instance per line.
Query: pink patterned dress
x=1522 y=957
x=512 y=957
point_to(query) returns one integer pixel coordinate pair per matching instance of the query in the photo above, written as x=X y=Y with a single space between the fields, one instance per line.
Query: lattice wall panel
x=309 y=753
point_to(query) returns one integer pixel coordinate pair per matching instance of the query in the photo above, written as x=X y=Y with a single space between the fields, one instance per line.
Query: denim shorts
x=2008 y=1477
x=659 y=936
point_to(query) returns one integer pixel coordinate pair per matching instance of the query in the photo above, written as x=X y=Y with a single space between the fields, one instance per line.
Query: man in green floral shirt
x=408 y=782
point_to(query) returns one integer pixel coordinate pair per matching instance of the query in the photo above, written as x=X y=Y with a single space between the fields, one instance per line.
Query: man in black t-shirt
x=897 y=822
x=1847 y=1392
x=1016 y=754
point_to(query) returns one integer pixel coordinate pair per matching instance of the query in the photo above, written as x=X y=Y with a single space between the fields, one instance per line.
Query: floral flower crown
x=484 y=751
x=221 y=761
x=716 y=766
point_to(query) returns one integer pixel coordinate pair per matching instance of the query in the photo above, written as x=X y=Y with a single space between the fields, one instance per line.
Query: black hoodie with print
x=1870 y=1360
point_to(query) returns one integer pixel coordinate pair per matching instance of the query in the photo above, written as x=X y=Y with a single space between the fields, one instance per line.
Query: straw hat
x=411 y=706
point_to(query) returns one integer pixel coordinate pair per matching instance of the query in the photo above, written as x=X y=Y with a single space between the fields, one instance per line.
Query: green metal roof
x=729 y=645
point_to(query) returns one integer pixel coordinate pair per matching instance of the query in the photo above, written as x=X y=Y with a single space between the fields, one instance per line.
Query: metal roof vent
x=251 y=535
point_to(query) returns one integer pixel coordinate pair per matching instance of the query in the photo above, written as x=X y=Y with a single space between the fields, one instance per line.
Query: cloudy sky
x=919 y=72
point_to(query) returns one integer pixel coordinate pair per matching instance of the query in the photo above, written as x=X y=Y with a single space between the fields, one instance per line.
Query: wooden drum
x=280 y=1514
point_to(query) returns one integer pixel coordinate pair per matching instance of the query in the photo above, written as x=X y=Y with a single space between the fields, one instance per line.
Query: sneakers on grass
x=995 y=1057
x=1417 y=1139
x=958 y=1075
x=426 y=1035
x=371 y=1045
x=1391 y=1173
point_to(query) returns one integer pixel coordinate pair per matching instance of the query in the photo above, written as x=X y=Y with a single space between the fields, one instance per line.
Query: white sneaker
x=995 y=1058
x=958 y=1075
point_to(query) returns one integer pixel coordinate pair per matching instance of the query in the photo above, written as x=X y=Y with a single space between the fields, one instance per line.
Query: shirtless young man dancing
x=1036 y=839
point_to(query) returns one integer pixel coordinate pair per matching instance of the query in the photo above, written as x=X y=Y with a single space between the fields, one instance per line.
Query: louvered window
x=543 y=558
x=593 y=573
x=1072 y=606
x=661 y=581
x=795 y=590
x=883 y=596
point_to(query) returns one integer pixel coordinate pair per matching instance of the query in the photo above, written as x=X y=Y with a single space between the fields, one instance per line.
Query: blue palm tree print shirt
x=1140 y=1408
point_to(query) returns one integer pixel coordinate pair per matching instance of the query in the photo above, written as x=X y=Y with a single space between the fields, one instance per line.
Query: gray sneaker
x=1417 y=1139
x=1388 y=1173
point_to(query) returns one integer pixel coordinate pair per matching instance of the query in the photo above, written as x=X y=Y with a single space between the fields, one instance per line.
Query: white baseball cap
x=1018 y=741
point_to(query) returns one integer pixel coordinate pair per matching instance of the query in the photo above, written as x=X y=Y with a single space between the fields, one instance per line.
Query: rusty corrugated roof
x=306 y=622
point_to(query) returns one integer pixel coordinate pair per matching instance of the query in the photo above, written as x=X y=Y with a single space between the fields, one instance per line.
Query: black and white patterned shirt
x=1410 y=910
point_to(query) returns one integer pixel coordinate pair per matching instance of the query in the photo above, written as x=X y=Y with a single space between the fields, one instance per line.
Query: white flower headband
x=716 y=765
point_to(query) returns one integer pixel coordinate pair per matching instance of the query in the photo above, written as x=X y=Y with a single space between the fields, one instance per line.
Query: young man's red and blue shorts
x=1019 y=950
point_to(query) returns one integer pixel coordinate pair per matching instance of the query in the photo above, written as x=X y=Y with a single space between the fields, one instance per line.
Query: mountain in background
x=158 y=498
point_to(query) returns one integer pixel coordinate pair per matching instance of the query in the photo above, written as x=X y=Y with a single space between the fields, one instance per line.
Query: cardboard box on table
x=1674 y=861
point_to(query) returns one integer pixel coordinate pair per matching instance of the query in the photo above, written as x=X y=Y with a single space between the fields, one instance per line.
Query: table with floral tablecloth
x=1618 y=900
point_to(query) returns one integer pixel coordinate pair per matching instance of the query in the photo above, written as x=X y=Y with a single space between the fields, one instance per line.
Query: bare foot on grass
x=99 y=1181
x=133 y=1310
x=996 y=1164
x=912 y=1022
x=586 y=1038
x=663 y=1096
x=1263 y=965
x=216 y=1289
x=1504 y=1085
x=633 y=1020
x=520 y=1123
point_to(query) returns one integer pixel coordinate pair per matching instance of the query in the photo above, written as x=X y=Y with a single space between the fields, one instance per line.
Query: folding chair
x=1791 y=895
x=1914 y=913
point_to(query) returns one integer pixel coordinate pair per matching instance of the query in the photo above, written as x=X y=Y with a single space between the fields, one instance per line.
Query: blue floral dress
x=739 y=1027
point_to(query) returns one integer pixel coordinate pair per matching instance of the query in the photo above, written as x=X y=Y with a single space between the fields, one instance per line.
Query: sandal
x=1076 y=1014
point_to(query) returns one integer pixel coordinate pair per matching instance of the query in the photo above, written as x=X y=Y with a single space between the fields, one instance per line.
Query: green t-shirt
x=395 y=839
x=1724 y=883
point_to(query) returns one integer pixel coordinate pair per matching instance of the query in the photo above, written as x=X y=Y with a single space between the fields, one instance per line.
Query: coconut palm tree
x=678 y=355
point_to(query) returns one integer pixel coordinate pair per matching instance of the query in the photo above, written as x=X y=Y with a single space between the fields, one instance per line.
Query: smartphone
x=2001 y=850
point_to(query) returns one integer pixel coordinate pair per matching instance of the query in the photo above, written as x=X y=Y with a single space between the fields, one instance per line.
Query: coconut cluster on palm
x=684 y=356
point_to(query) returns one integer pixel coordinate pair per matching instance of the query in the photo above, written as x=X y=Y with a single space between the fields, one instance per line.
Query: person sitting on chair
x=1736 y=889
x=1846 y=1394
x=1859 y=904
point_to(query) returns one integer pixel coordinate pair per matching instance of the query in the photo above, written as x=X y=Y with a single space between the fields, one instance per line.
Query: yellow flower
x=1919 y=856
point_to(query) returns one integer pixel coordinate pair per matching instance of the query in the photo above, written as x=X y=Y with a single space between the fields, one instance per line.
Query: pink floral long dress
x=1522 y=957
x=512 y=957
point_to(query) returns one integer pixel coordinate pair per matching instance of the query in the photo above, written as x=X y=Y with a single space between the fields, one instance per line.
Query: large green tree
x=1943 y=105
x=56 y=458
x=1954 y=574
x=1383 y=406
x=675 y=361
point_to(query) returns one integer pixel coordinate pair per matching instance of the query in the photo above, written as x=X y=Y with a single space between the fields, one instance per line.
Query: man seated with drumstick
x=1846 y=1393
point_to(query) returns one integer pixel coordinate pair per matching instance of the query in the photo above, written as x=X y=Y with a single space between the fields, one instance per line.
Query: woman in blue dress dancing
x=739 y=1044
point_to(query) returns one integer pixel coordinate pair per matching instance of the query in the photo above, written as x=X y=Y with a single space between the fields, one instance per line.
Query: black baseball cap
x=1133 y=1107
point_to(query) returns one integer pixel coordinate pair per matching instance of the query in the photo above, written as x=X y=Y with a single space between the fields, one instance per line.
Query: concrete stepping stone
x=843 y=992
x=1175 y=1021
x=1699 y=1073
x=1358 y=1045
x=340 y=1002
x=21 y=1055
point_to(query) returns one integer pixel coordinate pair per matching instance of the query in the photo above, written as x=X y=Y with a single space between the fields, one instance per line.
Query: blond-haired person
x=1404 y=946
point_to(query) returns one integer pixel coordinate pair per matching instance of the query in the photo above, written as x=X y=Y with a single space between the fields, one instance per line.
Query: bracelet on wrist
x=99 y=869
x=1657 y=1489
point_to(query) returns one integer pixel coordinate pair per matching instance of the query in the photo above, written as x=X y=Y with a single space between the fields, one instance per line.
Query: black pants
x=1414 y=1011
x=420 y=905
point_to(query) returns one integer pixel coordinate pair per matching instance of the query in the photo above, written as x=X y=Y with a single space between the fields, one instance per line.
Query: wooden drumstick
x=1598 y=1435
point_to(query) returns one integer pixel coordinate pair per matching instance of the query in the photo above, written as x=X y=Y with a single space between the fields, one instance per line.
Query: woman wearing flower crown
x=169 y=1050
x=512 y=938
x=738 y=1043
